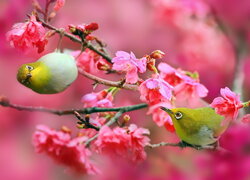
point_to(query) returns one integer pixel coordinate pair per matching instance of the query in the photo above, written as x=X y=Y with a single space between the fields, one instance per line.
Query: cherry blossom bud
x=157 y=54
x=151 y=65
x=72 y=28
x=91 y=27
x=126 y=118
x=52 y=15
x=103 y=65
x=65 y=129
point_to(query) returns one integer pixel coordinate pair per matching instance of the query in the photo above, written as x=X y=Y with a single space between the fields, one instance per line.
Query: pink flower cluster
x=129 y=64
x=89 y=61
x=63 y=149
x=155 y=90
x=126 y=143
x=184 y=86
x=228 y=105
x=27 y=35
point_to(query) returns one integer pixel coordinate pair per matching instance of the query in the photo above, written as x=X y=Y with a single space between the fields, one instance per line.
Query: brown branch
x=5 y=103
x=75 y=39
x=99 y=80
x=182 y=144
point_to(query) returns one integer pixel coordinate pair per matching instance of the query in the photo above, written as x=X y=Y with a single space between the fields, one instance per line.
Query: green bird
x=197 y=127
x=51 y=74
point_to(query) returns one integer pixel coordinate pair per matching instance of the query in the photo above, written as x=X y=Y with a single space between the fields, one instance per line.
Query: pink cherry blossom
x=126 y=143
x=228 y=105
x=170 y=74
x=99 y=99
x=184 y=85
x=86 y=60
x=160 y=117
x=59 y=4
x=155 y=90
x=27 y=35
x=190 y=88
x=129 y=64
x=63 y=149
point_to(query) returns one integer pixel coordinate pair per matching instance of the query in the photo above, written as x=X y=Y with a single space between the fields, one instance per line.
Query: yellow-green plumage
x=52 y=73
x=201 y=126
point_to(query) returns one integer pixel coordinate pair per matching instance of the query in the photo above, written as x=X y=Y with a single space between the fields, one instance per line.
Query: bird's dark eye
x=30 y=68
x=178 y=115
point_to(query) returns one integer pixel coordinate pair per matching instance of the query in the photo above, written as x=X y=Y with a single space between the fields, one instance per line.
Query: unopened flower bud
x=90 y=38
x=126 y=118
x=66 y=129
x=157 y=54
x=72 y=28
x=151 y=65
x=52 y=15
x=91 y=27
x=103 y=65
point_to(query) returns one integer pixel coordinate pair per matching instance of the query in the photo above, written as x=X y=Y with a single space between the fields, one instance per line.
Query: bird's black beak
x=167 y=110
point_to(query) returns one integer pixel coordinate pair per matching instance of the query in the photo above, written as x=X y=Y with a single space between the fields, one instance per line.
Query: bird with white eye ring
x=51 y=74
x=178 y=115
x=200 y=127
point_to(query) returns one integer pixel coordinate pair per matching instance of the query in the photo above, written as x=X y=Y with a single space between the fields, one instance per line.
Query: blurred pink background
x=192 y=43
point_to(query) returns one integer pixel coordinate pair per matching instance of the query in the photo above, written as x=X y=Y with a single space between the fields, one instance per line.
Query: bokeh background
x=186 y=30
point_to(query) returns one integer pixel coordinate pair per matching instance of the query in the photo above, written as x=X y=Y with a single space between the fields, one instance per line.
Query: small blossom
x=59 y=4
x=126 y=143
x=160 y=117
x=129 y=64
x=84 y=30
x=99 y=99
x=228 y=105
x=155 y=90
x=157 y=54
x=26 y=35
x=63 y=149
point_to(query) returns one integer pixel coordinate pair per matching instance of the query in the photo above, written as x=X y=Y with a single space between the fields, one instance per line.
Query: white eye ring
x=30 y=68
x=178 y=115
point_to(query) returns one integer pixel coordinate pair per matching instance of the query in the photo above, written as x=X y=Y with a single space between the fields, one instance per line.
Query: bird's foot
x=213 y=146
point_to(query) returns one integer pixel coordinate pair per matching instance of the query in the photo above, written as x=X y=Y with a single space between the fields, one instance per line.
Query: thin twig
x=110 y=122
x=75 y=39
x=99 y=80
x=182 y=145
x=87 y=124
x=6 y=103
x=164 y=144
